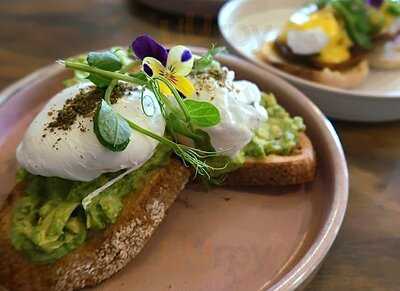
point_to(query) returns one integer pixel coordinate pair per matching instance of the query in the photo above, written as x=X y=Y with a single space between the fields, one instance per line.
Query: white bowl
x=245 y=26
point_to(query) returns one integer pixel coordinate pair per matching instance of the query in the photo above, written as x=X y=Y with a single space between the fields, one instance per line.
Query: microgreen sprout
x=109 y=90
x=146 y=100
x=190 y=156
x=112 y=75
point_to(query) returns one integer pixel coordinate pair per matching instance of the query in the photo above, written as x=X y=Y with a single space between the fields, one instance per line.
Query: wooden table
x=366 y=254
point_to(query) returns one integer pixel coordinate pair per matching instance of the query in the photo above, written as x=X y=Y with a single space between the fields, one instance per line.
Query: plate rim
x=314 y=256
x=232 y=5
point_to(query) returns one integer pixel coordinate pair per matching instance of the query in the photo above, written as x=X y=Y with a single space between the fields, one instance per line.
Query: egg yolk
x=337 y=49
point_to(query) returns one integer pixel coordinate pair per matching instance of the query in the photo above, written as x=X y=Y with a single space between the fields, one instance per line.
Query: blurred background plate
x=223 y=239
x=204 y=8
x=246 y=24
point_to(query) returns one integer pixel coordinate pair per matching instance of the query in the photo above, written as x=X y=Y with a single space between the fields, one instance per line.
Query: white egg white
x=78 y=155
x=241 y=112
x=307 y=42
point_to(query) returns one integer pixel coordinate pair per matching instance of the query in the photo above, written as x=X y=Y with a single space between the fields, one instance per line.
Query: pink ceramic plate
x=225 y=238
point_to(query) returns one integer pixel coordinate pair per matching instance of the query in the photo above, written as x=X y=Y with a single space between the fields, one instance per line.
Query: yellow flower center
x=168 y=75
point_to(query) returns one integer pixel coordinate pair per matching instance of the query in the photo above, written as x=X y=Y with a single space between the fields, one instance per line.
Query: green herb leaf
x=111 y=129
x=393 y=7
x=207 y=59
x=357 y=20
x=99 y=81
x=104 y=60
x=202 y=114
x=108 y=61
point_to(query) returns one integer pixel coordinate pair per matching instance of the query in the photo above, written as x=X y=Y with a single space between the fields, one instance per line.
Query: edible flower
x=375 y=3
x=171 y=65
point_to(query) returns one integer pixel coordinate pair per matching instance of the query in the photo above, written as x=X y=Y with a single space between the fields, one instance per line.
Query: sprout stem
x=103 y=73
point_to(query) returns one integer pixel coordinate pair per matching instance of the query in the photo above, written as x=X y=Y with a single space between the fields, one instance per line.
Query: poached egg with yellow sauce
x=76 y=154
x=311 y=31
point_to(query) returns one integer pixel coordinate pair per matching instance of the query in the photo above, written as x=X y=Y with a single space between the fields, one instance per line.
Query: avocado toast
x=104 y=252
x=279 y=154
x=98 y=166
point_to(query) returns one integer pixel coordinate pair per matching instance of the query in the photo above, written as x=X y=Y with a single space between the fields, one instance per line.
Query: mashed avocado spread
x=49 y=221
x=278 y=135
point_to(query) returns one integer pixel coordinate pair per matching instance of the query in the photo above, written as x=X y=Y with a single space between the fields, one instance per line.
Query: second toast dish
x=335 y=42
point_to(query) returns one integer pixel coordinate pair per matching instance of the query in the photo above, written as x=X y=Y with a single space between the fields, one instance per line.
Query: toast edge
x=106 y=252
x=298 y=168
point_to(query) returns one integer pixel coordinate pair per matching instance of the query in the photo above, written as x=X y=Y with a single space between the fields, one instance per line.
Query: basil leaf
x=99 y=81
x=207 y=59
x=111 y=129
x=104 y=60
x=202 y=113
x=108 y=61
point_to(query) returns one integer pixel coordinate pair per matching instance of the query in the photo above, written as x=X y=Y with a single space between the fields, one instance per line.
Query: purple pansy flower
x=171 y=65
x=145 y=46
x=375 y=3
x=186 y=56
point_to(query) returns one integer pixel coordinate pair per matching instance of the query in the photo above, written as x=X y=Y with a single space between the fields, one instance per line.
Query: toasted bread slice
x=105 y=252
x=346 y=79
x=297 y=168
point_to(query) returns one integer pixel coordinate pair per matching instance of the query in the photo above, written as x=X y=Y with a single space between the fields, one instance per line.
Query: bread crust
x=298 y=168
x=105 y=252
x=346 y=79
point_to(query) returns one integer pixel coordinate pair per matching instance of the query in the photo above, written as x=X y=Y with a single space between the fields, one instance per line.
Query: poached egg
x=76 y=154
x=239 y=105
x=312 y=31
